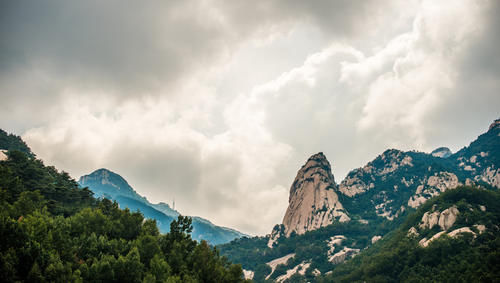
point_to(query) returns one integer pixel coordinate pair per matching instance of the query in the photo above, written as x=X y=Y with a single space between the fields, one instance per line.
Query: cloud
x=217 y=104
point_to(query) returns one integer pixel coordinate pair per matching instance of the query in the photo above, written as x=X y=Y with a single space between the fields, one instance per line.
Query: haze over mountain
x=107 y=184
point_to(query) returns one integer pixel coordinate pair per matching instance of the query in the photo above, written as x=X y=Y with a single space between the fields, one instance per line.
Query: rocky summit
x=313 y=201
x=442 y=152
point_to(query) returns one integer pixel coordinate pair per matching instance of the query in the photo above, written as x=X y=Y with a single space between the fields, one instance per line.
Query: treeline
x=53 y=231
x=312 y=247
x=13 y=142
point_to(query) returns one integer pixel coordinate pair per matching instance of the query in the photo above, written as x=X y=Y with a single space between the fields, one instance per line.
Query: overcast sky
x=218 y=103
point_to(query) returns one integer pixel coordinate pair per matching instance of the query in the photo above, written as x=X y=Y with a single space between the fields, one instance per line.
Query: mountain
x=52 y=230
x=313 y=201
x=451 y=238
x=376 y=198
x=107 y=184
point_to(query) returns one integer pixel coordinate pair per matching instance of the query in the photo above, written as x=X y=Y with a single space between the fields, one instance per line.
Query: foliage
x=460 y=259
x=53 y=231
x=12 y=142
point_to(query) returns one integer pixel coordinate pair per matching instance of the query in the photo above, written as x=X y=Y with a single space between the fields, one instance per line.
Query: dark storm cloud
x=134 y=46
x=337 y=17
x=116 y=45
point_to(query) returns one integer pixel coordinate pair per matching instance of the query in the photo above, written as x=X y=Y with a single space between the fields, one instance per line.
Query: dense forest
x=53 y=231
x=468 y=258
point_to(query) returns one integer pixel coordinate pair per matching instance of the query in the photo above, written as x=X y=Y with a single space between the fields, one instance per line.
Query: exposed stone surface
x=434 y=186
x=278 y=261
x=444 y=219
x=278 y=231
x=462 y=230
x=448 y=217
x=412 y=232
x=300 y=269
x=248 y=274
x=3 y=156
x=443 y=181
x=481 y=228
x=334 y=241
x=429 y=220
x=313 y=201
x=424 y=242
x=343 y=255
x=442 y=152
x=491 y=176
x=360 y=180
x=375 y=239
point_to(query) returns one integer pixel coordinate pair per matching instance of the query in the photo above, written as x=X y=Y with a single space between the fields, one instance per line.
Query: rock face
x=3 y=156
x=343 y=255
x=313 y=201
x=442 y=152
x=300 y=269
x=434 y=186
x=362 y=179
x=274 y=263
x=278 y=232
x=444 y=219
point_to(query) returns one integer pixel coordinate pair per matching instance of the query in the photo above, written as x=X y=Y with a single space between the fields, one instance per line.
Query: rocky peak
x=313 y=201
x=442 y=152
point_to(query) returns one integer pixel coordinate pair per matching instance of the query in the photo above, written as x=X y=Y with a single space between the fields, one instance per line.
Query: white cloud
x=222 y=113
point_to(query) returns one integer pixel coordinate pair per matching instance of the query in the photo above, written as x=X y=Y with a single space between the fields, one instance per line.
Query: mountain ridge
x=105 y=183
x=378 y=198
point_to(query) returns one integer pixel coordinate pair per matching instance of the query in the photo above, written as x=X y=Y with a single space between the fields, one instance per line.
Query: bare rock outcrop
x=444 y=219
x=313 y=201
x=490 y=175
x=361 y=180
x=278 y=232
x=448 y=217
x=434 y=186
x=3 y=155
x=441 y=152
x=343 y=255
x=300 y=269
x=274 y=263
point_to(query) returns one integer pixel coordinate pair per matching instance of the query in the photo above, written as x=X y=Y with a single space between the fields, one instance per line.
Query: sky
x=217 y=104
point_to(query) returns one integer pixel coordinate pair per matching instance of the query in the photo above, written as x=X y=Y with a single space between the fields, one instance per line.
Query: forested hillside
x=52 y=231
x=468 y=252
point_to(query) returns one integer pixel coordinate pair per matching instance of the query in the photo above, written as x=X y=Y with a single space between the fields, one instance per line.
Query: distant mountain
x=107 y=184
x=326 y=224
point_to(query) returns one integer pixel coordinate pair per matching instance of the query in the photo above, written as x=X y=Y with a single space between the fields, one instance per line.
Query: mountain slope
x=53 y=231
x=465 y=250
x=105 y=183
x=377 y=198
